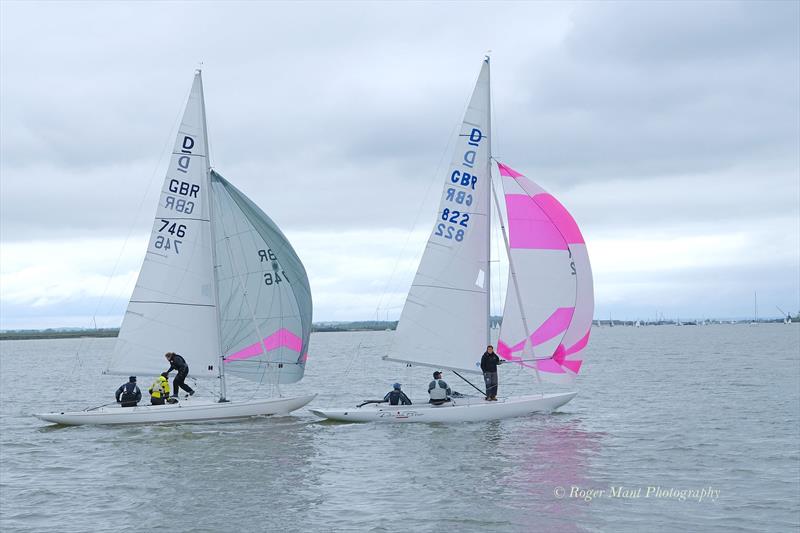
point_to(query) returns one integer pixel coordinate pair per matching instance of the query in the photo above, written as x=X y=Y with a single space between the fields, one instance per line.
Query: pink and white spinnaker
x=550 y=300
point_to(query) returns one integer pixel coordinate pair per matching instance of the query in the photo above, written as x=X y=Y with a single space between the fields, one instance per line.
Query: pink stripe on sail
x=282 y=337
x=535 y=235
x=251 y=351
x=548 y=365
x=575 y=366
x=561 y=218
x=555 y=324
x=506 y=170
x=580 y=345
x=529 y=227
x=503 y=350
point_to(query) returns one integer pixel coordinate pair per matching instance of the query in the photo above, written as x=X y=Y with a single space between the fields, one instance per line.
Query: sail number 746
x=166 y=240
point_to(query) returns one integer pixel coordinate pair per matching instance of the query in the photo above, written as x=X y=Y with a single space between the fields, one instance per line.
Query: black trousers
x=178 y=383
x=129 y=404
x=490 y=378
x=156 y=401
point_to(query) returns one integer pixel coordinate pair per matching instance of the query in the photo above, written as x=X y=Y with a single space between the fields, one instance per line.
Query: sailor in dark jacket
x=489 y=363
x=176 y=362
x=396 y=396
x=128 y=394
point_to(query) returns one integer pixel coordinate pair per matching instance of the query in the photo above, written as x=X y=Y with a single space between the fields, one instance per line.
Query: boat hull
x=459 y=410
x=189 y=410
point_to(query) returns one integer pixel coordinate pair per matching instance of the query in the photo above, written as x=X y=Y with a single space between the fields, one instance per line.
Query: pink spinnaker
x=553 y=280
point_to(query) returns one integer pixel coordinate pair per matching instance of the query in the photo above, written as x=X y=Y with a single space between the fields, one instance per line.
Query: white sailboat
x=220 y=284
x=445 y=322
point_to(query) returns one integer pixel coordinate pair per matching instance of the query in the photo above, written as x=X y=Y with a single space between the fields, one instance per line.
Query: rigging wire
x=431 y=182
x=84 y=340
x=447 y=149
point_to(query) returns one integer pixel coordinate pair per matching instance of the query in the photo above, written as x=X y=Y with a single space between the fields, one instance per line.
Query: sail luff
x=489 y=201
x=220 y=365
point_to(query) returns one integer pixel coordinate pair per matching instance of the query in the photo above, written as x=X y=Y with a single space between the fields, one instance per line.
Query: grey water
x=693 y=428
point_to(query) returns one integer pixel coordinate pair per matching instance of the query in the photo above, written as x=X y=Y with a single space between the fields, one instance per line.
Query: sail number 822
x=449 y=232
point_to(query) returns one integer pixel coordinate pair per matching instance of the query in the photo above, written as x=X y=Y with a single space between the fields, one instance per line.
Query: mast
x=489 y=205
x=755 y=306
x=221 y=364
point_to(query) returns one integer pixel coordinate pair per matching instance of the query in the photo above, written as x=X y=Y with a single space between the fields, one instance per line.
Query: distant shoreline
x=328 y=327
x=31 y=334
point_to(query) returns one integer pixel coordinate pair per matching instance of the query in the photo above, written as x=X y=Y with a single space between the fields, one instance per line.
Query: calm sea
x=693 y=428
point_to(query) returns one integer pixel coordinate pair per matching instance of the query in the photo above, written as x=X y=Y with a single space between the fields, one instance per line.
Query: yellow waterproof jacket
x=159 y=388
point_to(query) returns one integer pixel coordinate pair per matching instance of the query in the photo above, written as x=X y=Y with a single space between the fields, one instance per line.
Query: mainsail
x=552 y=282
x=444 y=322
x=219 y=281
x=173 y=308
x=264 y=295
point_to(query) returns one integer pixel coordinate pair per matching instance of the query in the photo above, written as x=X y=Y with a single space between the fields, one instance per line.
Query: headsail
x=553 y=279
x=444 y=322
x=173 y=306
x=264 y=295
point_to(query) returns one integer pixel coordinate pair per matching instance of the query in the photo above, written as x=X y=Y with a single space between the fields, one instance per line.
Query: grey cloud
x=659 y=117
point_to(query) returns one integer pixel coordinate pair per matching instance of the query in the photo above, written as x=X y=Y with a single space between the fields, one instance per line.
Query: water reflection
x=544 y=455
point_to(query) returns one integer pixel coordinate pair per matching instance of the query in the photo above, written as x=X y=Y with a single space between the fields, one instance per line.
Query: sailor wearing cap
x=128 y=394
x=438 y=389
x=396 y=396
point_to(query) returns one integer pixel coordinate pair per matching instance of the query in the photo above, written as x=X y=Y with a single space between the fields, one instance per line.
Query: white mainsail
x=444 y=322
x=173 y=304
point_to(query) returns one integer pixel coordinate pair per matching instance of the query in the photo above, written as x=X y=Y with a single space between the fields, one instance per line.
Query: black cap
x=132 y=378
x=437 y=373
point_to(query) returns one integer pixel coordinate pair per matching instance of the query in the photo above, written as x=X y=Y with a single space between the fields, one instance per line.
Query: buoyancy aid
x=159 y=388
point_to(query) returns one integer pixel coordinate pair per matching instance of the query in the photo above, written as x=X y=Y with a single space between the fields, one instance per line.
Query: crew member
x=396 y=396
x=438 y=389
x=159 y=391
x=128 y=394
x=489 y=363
x=176 y=362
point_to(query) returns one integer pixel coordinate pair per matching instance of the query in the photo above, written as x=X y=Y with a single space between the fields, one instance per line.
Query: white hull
x=459 y=410
x=190 y=410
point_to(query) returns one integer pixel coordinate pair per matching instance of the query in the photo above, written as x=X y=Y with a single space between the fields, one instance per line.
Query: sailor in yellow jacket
x=159 y=391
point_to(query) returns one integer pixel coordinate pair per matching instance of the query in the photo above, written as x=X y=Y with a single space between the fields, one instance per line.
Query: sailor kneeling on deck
x=159 y=391
x=128 y=394
x=438 y=390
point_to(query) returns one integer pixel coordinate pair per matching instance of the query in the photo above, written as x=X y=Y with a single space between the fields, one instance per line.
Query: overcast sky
x=671 y=131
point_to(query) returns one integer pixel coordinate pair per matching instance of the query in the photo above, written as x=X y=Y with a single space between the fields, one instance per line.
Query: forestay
x=264 y=294
x=173 y=306
x=444 y=322
x=553 y=281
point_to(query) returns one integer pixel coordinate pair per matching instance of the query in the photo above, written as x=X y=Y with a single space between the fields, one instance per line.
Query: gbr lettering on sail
x=180 y=198
x=459 y=193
